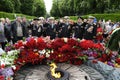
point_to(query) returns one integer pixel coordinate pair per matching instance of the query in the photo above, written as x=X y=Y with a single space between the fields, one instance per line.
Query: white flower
x=35 y=50
x=14 y=67
x=52 y=51
x=65 y=39
x=47 y=55
x=2 y=62
x=10 y=53
x=42 y=52
x=13 y=52
x=1 y=51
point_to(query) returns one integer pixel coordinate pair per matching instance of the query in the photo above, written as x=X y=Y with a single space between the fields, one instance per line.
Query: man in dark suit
x=79 y=28
x=34 y=27
x=90 y=29
x=26 y=24
x=18 y=30
x=65 y=28
x=51 y=28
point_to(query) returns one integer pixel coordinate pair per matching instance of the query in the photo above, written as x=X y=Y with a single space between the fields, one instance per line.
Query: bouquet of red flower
x=118 y=60
x=34 y=50
x=31 y=51
x=65 y=50
x=88 y=44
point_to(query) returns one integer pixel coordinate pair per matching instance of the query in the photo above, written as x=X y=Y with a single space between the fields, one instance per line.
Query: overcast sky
x=48 y=4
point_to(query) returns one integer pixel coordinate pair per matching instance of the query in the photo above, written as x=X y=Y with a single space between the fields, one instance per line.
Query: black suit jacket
x=51 y=31
x=14 y=30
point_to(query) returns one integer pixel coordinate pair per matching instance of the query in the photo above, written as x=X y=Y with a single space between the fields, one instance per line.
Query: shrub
x=12 y=15
x=112 y=16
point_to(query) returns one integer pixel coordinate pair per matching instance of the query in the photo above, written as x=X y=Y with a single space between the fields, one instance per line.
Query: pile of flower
x=42 y=50
x=7 y=66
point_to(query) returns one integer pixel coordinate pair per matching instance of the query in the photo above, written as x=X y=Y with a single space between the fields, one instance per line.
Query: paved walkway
x=38 y=72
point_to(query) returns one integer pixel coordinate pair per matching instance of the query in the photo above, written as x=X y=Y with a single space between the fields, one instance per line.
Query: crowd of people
x=89 y=29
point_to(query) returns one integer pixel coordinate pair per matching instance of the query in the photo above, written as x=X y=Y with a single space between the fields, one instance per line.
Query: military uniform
x=90 y=29
x=65 y=30
x=79 y=28
x=51 y=31
x=51 y=28
x=36 y=30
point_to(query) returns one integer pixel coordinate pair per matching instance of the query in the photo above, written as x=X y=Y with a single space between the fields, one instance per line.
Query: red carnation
x=95 y=55
x=99 y=46
x=86 y=44
x=57 y=43
x=72 y=42
x=31 y=44
x=118 y=60
x=65 y=48
x=103 y=58
x=40 y=44
x=2 y=77
x=94 y=61
x=19 y=44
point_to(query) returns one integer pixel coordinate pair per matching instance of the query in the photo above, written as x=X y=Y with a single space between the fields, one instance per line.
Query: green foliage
x=83 y=7
x=40 y=9
x=112 y=16
x=55 y=9
x=33 y=7
x=29 y=7
x=114 y=40
x=12 y=15
x=17 y=6
x=6 y=5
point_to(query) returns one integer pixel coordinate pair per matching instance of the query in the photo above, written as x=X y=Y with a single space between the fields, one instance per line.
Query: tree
x=54 y=10
x=17 y=5
x=33 y=7
x=27 y=7
x=6 y=5
x=40 y=9
x=81 y=7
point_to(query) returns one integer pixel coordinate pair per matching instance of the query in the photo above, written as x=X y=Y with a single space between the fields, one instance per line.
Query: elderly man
x=51 y=28
x=18 y=30
x=65 y=28
x=34 y=27
x=26 y=25
x=90 y=29
x=41 y=29
x=79 y=28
